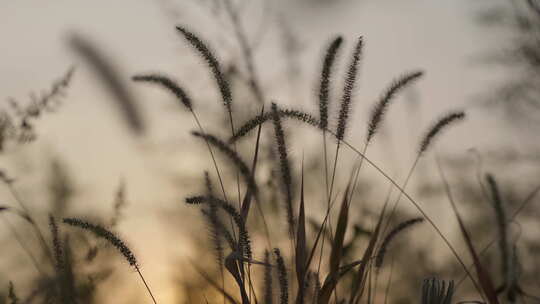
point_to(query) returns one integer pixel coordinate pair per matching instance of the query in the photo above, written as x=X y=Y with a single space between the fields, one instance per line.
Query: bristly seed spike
x=168 y=84
x=380 y=107
x=103 y=233
x=326 y=76
x=212 y=62
x=350 y=83
x=438 y=127
x=285 y=168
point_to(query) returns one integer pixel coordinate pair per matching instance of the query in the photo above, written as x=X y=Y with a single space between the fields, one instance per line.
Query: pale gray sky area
x=440 y=37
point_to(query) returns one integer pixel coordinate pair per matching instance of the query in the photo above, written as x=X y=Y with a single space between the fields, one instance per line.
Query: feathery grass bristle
x=109 y=236
x=380 y=108
x=268 y=295
x=441 y=124
x=350 y=82
x=282 y=278
x=212 y=62
x=215 y=235
x=262 y=118
x=168 y=84
x=379 y=260
x=285 y=168
x=326 y=76
x=57 y=246
x=213 y=220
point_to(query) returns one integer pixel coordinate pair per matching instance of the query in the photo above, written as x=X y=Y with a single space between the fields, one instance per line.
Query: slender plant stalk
x=146 y=285
x=398 y=199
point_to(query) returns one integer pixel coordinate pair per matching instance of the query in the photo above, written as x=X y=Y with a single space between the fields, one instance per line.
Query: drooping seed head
x=168 y=84
x=213 y=64
x=380 y=108
x=109 y=236
x=436 y=129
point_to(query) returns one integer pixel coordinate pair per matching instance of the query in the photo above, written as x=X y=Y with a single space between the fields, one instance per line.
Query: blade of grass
x=301 y=248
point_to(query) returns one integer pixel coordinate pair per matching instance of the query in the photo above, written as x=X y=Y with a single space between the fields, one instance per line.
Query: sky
x=441 y=38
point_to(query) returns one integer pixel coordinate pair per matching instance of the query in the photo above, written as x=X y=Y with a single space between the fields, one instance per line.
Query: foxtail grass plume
x=326 y=76
x=168 y=84
x=109 y=236
x=282 y=278
x=215 y=235
x=285 y=168
x=57 y=246
x=380 y=108
x=251 y=124
x=440 y=125
x=350 y=82
x=268 y=296
x=213 y=64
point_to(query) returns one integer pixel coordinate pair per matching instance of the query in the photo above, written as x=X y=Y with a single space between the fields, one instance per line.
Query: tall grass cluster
x=319 y=263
